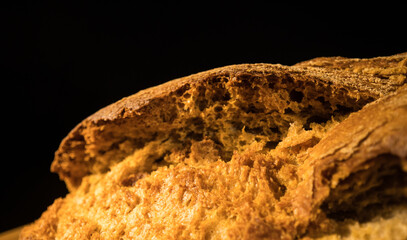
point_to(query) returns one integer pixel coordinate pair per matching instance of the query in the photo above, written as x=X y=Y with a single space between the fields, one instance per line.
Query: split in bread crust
x=253 y=151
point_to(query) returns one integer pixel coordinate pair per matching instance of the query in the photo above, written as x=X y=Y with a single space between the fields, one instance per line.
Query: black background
x=62 y=62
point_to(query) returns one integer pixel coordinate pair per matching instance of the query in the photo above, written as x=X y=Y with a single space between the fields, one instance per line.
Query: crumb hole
x=320 y=99
x=288 y=111
x=256 y=130
x=271 y=144
x=275 y=130
x=343 y=109
x=242 y=143
x=315 y=119
x=218 y=109
x=296 y=96
x=195 y=136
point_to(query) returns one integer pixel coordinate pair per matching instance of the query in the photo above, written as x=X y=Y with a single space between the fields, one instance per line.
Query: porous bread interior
x=232 y=113
x=223 y=157
x=216 y=199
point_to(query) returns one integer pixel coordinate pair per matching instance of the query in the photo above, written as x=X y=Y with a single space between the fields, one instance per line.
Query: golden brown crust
x=253 y=151
x=393 y=68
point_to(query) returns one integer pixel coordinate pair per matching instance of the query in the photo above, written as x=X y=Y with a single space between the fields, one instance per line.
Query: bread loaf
x=317 y=150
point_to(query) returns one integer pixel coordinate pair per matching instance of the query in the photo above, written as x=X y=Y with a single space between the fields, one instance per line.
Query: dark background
x=62 y=62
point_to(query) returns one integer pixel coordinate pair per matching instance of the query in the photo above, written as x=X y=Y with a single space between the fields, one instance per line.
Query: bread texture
x=317 y=150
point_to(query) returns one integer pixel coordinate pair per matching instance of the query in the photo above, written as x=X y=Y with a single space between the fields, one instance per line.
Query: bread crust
x=378 y=132
x=250 y=151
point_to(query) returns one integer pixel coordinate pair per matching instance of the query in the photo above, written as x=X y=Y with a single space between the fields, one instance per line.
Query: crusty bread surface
x=317 y=150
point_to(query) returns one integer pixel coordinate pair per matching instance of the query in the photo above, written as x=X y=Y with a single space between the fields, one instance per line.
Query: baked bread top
x=252 y=151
